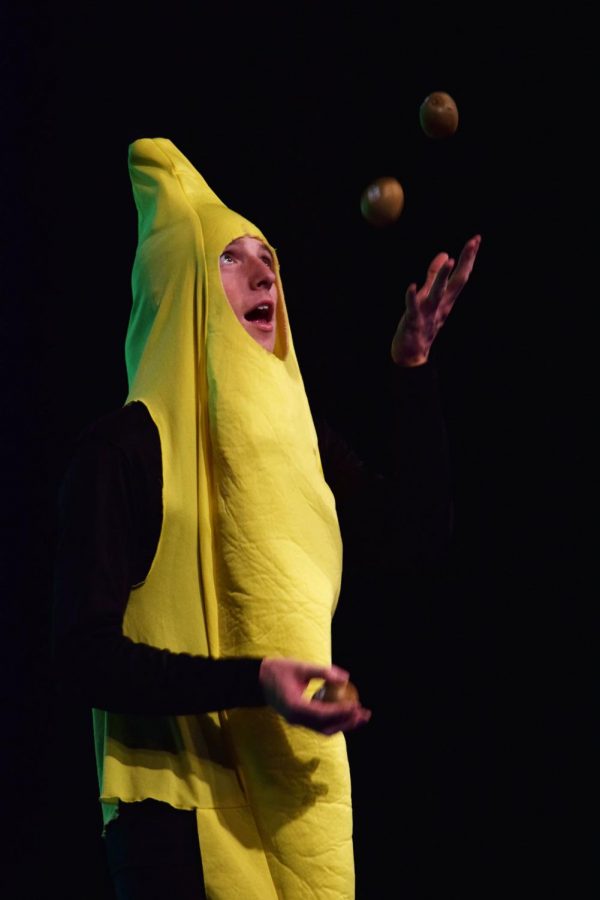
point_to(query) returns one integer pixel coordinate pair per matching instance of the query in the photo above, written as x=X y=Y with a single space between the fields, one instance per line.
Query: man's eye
x=268 y=261
x=226 y=257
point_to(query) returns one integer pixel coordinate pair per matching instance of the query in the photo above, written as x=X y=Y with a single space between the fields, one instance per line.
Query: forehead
x=249 y=244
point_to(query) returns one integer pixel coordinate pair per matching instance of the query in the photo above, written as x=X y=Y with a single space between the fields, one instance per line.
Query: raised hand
x=428 y=307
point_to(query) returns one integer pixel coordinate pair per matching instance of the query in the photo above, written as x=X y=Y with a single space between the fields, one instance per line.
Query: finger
x=353 y=720
x=451 y=279
x=334 y=674
x=458 y=279
x=455 y=284
x=337 y=674
x=316 y=717
x=466 y=261
x=410 y=298
x=438 y=289
x=434 y=267
x=467 y=256
x=342 y=717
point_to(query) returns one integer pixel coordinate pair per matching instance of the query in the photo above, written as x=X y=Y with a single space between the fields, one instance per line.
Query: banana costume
x=248 y=561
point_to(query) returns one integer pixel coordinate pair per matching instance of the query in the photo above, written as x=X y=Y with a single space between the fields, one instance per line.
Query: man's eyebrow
x=231 y=246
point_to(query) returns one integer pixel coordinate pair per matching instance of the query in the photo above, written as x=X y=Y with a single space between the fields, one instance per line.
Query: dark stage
x=469 y=780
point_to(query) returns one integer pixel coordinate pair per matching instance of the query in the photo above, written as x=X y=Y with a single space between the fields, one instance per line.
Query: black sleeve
x=96 y=552
x=397 y=517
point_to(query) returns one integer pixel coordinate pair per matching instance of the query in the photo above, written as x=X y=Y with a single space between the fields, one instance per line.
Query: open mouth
x=261 y=315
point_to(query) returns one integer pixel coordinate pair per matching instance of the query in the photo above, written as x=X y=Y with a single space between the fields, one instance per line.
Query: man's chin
x=264 y=337
x=269 y=342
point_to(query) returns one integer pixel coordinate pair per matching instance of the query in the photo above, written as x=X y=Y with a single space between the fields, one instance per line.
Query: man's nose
x=261 y=275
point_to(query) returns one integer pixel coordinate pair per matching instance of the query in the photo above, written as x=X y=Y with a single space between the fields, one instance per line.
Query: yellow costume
x=248 y=562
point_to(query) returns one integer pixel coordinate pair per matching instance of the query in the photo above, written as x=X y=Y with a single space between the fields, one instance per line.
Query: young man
x=199 y=564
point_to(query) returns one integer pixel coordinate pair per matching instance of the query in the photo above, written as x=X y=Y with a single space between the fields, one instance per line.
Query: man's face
x=248 y=277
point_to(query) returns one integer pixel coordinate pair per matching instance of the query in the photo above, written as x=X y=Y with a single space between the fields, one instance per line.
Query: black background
x=468 y=781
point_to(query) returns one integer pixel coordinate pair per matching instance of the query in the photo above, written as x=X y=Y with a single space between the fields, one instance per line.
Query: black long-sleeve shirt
x=110 y=517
